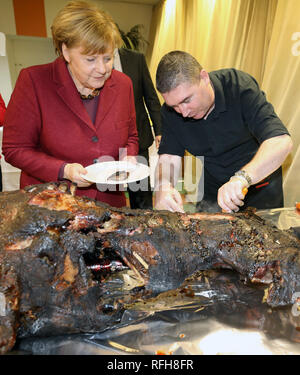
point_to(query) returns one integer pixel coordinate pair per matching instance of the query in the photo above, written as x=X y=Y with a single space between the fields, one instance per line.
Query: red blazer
x=47 y=125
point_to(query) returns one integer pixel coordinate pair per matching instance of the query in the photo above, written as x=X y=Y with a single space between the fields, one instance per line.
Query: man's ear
x=204 y=76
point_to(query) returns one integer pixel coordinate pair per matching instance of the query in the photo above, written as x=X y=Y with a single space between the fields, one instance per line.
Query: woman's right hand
x=73 y=173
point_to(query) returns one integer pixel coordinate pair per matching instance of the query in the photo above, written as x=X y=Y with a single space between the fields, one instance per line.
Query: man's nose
x=183 y=109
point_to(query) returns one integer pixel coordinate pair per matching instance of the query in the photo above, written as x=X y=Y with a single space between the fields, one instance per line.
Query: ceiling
x=144 y=2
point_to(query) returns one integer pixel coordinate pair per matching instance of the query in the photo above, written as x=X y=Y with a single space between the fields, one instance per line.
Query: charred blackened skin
x=57 y=250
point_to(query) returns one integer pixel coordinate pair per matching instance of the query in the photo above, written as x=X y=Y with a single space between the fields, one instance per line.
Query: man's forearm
x=269 y=157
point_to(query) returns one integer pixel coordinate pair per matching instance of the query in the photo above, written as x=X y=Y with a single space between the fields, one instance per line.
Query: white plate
x=100 y=172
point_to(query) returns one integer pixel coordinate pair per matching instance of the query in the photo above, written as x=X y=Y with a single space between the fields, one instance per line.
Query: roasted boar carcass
x=57 y=251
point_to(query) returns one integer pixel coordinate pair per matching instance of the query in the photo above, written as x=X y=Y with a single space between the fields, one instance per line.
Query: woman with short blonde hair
x=75 y=111
x=78 y=23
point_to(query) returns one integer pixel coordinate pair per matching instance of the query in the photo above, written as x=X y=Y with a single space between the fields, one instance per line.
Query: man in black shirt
x=225 y=117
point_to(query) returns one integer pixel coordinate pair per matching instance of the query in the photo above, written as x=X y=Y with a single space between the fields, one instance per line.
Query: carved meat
x=57 y=251
x=118 y=176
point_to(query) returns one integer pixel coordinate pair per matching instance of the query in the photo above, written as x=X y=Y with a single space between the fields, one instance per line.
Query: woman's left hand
x=74 y=172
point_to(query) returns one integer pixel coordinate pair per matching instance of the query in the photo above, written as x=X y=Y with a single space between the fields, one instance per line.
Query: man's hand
x=232 y=194
x=73 y=173
x=168 y=198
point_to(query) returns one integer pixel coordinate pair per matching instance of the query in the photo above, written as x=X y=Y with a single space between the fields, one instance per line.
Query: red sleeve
x=2 y=110
x=21 y=133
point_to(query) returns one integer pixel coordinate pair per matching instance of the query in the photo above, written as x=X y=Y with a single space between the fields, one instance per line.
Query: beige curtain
x=251 y=35
x=281 y=82
x=219 y=33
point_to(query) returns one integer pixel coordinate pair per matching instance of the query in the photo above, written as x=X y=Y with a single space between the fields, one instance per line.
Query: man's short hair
x=175 y=68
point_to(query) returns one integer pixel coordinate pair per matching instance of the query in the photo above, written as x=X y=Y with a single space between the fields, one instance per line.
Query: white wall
x=22 y=52
x=27 y=51
x=5 y=79
x=51 y=9
x=125 y=14
x=7 y=17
